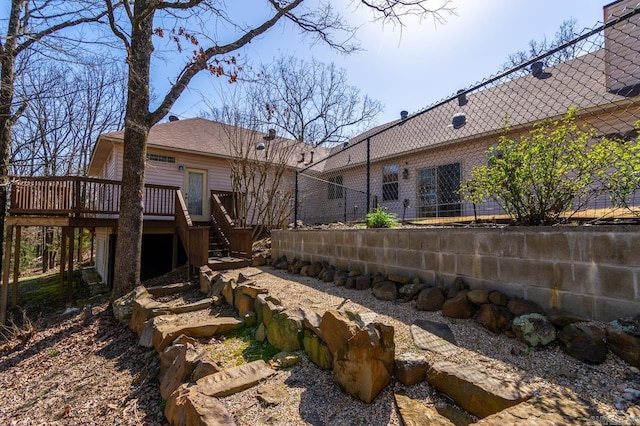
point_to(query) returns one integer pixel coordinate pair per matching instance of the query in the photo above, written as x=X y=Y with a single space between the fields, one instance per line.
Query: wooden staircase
x=229 y=245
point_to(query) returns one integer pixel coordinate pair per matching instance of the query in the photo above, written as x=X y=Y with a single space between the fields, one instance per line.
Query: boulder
x=340 y=278
x=456 y=287
x=363 y=282
x=350 y=282
x=519 y=307
x=327 y=275
x=311 y=270
x=180 y=369
x=285 y=330
x=560 y=318
x=165 y=332
x=204 y=367
x=122 y=309
x=377 y=278
x=410 y=368
x=414 y=413
x=296 y=267
x=235 y=379
x=311 y=320
x=281 y=264
x=242 y=302
x=168 y=289
x=434 y=337
x=400 y=279
x=363 y=355
x=207 y=279
x=385 y=290
x=498 y=298
x=586 y=342
x=430 y=299
x=494 y=318
x=261 y=333
x=284 y=360
x=410 y=291
x=258 y=260
x=534 y=329
x=475 y=389
x=317 y=350
x=459 y=306
x=167 y=356
x=478 y=296
x=623 y=344
x=187 y=406
x=250 y=319
x=228 y=290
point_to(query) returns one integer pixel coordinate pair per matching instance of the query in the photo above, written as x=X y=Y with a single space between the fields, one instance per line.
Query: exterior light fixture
x=458 y=120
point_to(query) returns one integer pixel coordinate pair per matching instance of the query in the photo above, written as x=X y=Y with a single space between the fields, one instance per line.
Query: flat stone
x=498 y=298
x=311 y=320
x=494 y=318
x=165 y=332
x=285 y=330
x=548 y=409
x=165 y=290
x=284 y=360
x=475 y=389
x=586 y=342
x=236 y=379
x=439 y=329
x=560 y=318
x=188 y=406
x=520 y=307
x=414 y=413
x=273 y=394
x=623 y=344
x=252 y=289
x=180 y=370
x=478 y=296
x=400 y=279
x=191 y=307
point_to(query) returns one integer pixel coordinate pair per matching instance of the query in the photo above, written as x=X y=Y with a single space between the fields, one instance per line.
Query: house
x=417 y=164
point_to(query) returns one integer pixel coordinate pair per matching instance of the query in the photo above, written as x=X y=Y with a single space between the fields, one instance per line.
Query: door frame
x=205 y=193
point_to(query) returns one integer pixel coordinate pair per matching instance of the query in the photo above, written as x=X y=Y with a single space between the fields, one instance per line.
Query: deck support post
x=63 y=261
x=6 y=271
x=70 y=268
x=174 y=253
x=16 y=268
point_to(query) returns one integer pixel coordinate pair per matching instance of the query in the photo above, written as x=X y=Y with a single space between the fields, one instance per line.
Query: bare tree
x=312 y=102
x=568 y=31
x=190 y=23
x=31 y=24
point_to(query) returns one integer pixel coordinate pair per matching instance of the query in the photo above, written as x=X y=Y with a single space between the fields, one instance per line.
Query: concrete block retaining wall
x=593 y=272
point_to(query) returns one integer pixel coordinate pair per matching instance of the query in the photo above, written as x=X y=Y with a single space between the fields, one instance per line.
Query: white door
x=195 y=194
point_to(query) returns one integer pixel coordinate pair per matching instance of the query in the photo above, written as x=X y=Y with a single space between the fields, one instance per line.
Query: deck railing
x=238 y=238
x=82 y=197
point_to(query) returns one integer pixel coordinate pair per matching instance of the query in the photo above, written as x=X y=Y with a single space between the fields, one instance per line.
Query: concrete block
x=500 y=244
x=607 y=309
x=547 y=246
x=615 y=282
x=616 y=249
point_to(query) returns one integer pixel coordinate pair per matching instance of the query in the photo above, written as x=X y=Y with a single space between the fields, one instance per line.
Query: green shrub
x=555 y=170
x=380 y=218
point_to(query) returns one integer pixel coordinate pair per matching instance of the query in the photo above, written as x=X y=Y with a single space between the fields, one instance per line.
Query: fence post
x=368 y=175
x=295 y=202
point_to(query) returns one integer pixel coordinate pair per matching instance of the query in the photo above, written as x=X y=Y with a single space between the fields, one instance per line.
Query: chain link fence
x=416 y=166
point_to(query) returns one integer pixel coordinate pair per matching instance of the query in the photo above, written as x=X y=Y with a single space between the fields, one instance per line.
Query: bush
x=554 y=171
x=380 y=218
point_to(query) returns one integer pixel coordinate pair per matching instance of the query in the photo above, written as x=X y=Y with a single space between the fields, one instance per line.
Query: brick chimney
x=622 y=48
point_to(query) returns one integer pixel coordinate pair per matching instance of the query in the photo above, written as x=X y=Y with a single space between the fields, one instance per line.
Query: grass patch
x=240 y=347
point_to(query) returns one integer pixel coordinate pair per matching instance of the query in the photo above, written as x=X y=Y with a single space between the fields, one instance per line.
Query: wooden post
x=16 y=268
x=63 y=257
x=174 y=256
x=93 y=237
x=6 y=270
x=70 y=268
x=79 y=256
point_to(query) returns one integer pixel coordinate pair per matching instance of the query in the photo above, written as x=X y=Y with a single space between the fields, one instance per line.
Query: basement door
x=196 y=194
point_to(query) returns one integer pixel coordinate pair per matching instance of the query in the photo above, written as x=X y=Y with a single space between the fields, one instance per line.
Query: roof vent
x=260 y=146
x=458 y=120
x=345 y=144
x=404 y=114
x=538 y=72
x=173 y=118
x=462 y=98
x=271 y=136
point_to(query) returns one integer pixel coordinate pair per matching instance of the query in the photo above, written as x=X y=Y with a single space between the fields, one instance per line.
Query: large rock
x=434 y=337
x=236 y=379
x=400 y=279
x=311 y=320
x=414 y=413
x=519 y=307
x=430 y=299
x=243 y=302
x=166 y=331
x=410 y=291
x=312 y=270
x=456 y=287
x=498 y=298
x=207 y=279
x=340 y=278
x=534 y=329
x=168 y=289
x=327 y=275
x=586 y=342
x=385 y=290
x=180 y=369
x=187 y=406
x=494 y=318
x=363 y=355
x=285 y=330
x=363 y=282
x=410 y=368
x=560 y=318
x=317 y=350
x=228 y=290
x=122 y=308
x=459 y=306
x=478 y=296
x=475 y=389
x=623 y=344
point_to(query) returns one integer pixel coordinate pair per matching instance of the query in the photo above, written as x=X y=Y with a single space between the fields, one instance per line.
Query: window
x=493 y=153
x=438 y=191
x=161 y=158
x=336 y=190
x=390 y=182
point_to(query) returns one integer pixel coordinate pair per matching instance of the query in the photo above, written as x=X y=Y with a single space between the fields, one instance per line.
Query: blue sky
x=412 y=69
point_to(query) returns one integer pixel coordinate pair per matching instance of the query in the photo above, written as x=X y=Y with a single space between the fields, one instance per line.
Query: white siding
x=102 y=253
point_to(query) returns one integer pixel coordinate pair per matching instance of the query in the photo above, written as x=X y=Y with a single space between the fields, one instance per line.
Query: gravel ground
x=315 y=399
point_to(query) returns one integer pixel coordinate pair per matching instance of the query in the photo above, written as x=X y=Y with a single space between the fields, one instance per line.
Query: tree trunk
x=7 y=76
x=136 y=132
